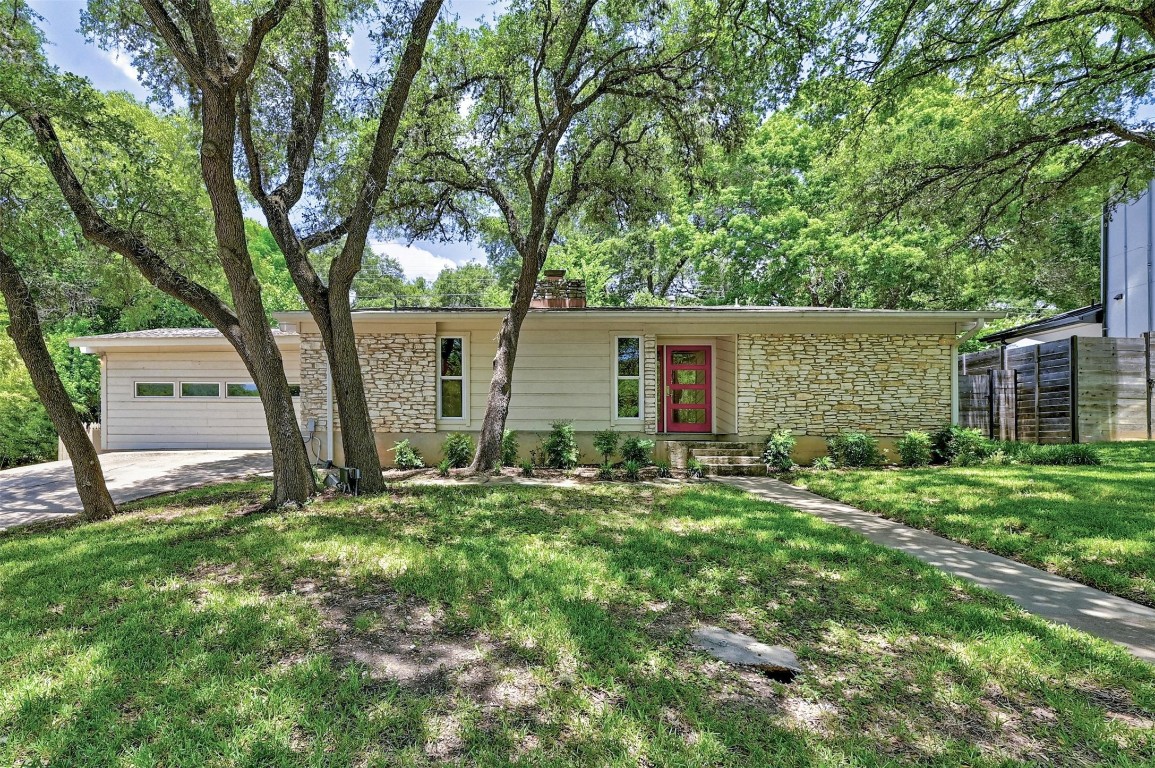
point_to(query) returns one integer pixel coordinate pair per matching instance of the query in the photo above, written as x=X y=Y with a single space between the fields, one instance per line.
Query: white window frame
x=615 y=378
x=220 y=391
x=245 y=398
x=464 y=377
x=138 y=382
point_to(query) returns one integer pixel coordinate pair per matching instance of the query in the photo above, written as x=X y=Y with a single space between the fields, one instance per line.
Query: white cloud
x=122 y=63
x=417 y=262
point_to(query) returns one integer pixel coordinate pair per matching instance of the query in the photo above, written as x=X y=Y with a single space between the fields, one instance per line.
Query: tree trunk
x=25 y=330
x=292 y=474
x=488 y=456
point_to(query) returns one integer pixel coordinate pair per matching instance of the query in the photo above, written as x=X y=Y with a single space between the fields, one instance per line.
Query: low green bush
x=1078 y=454
x=953 y=444
x=606 y=443
x=560 y=446
x=852 y=448
x=638 y=450
x=407 y=456
x=695 y=469
x=915 y=449
x=664 y=469
x=779 y=451
x=822 y=463
x=632 y=470
x=527 y=468
x=509 y=448
x=444 y=467
x=606 y=471
x=458 y=449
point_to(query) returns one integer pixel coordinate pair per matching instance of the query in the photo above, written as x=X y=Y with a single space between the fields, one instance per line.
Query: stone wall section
x=400 y=372
x=815 y=384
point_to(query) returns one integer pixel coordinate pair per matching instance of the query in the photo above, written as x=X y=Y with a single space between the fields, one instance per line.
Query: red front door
x=688 y=390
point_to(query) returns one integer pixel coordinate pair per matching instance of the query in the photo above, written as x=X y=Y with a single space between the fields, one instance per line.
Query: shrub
x=444 y=467
x=852 y=448
x=407 y=456
x=509 y=448
x=606 y=443
x=1044 y=455
x=955 y=445
x=779 y=450
x=606 y=471
x=527 y=468
x=560 y=446
x=822 y=463
x=458 y=449
x=637 y=450
x=695 y=469
x=26 y=433
x=664 y=469
x=633 y=470
x=914 y=449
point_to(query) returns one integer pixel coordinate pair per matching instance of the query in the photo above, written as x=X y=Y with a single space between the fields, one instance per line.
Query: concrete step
x=733 y=461
x=713 y=451
x=735 y=470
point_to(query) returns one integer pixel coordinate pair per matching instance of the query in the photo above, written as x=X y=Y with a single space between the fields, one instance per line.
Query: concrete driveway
x=48 y=491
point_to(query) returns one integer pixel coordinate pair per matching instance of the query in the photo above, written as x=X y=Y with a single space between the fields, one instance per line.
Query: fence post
x=1074 y=379
x=1038 y=386
x=1150 y=377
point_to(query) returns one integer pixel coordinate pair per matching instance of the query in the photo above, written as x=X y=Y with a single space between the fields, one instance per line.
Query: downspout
x=328 y=413
x=958 y=342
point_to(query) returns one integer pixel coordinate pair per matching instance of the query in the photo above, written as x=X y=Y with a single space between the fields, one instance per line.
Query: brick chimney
x=555 y=292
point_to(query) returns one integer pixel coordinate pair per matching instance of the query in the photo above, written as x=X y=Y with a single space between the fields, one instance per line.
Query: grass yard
x=1095 y=525
x=541 y=626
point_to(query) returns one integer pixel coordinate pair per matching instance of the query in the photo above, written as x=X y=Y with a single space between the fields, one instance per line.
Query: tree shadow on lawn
x=1093 y=524
x=182 y=640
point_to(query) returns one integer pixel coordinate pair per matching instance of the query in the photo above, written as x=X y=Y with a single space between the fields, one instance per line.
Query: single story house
x=674 y=374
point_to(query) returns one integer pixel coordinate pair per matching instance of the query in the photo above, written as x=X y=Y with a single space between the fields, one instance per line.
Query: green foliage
x=606 y=471
x=915 y=449
x=779 y=450
x=458 y=449
x=527 y=468
x=638 y=450
x=606 y=443
x=560 y=446
x=26 y=434
x=852 y=448
x=406 y=456
x=632 y=470
x=663 y=469
x=509 y=448
x=695 y=469
x=1007 y=452
x=444 y=467
x=822 y=463
x=953 y=444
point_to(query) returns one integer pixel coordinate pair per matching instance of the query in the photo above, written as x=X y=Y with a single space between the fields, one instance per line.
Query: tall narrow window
x=451 y=377
x=628 y=377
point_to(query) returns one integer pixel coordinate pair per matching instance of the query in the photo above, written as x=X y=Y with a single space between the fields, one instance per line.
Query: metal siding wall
x=1130 y=252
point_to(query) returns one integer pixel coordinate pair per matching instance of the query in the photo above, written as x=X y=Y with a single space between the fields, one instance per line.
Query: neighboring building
x=706 y=373
x=1085 y=321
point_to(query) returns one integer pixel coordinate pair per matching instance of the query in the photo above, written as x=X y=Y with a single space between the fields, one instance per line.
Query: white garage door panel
x=176 y=423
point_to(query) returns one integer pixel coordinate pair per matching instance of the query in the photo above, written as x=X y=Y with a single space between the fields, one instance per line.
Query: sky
x=112 y=71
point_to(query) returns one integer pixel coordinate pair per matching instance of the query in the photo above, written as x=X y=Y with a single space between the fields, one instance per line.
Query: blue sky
x=112 y=71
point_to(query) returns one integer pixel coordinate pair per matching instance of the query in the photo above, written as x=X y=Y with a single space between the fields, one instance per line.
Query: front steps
x=721 y=459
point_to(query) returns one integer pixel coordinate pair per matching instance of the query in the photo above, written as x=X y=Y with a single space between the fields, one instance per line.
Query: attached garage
x=180 y=389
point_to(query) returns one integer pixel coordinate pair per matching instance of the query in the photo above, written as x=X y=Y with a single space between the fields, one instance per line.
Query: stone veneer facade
x=650 y=384
x=400 y=371
x=816 y=384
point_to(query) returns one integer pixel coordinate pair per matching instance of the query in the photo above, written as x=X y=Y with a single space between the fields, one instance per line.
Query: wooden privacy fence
x=1081 y=389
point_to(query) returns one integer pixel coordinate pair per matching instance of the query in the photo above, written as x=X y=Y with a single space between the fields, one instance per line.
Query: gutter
x=328 y=414
x=977 y=326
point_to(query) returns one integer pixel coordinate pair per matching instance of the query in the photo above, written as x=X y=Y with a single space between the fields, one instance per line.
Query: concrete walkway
x=1044 y=594
x=48 y=491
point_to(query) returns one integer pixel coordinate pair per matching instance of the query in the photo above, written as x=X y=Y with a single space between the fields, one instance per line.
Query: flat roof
x=718 y=311
x=161 y=337
x=1093 y=313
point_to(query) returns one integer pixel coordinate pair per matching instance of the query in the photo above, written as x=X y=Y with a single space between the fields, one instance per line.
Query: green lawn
x=1091 y=524
x=179 y=634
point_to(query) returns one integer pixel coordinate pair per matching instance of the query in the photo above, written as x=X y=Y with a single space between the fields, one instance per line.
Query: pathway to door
x=1044 y=594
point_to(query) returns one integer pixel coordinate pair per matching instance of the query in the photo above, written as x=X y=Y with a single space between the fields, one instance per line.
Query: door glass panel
x=451 y=399
x=451 y=356
x=689 y=377
x=687 y=357
x=689 y=396
x=689 y=415
x=628 y=399
x=629 y=354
